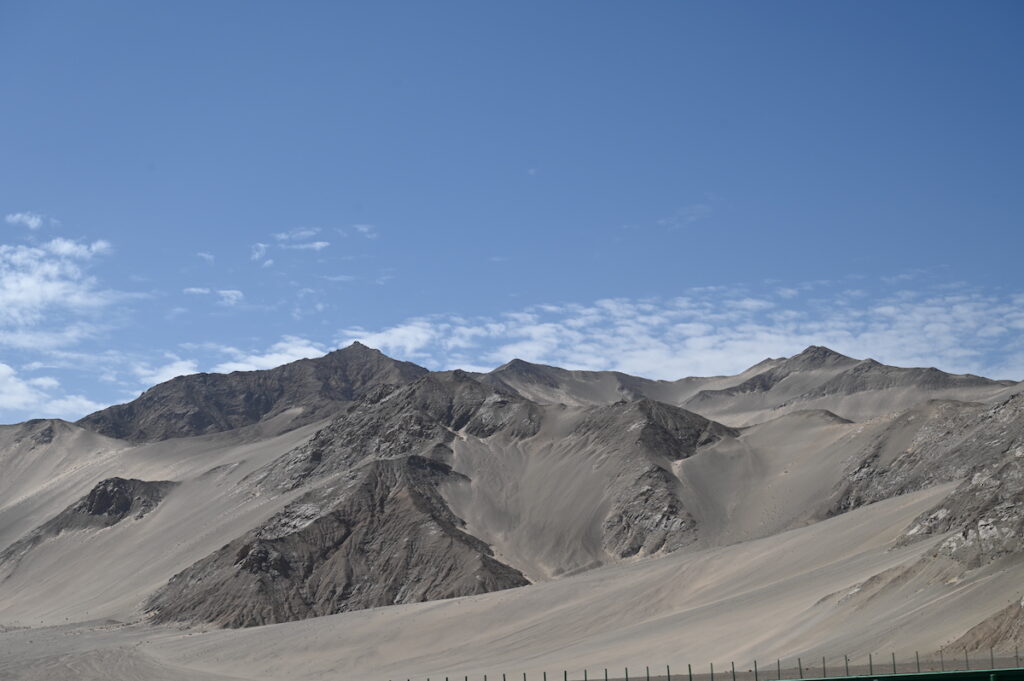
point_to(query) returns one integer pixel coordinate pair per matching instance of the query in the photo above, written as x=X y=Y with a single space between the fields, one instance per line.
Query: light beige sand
x=798 y=593
x=109 y=573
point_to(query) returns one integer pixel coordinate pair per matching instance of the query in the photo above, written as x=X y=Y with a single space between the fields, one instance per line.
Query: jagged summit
x=819 y=355
x=208 y=403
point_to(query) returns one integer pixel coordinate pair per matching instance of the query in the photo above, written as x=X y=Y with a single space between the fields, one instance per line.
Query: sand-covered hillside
x=353 y=516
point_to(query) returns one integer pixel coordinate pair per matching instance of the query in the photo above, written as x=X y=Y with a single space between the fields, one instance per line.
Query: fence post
x=712 y=671
x=565 y=675
x=755 y=670
x=1016 y=656
x=778 y=668
x=606 y=674
x=627 y=673
x=871 y=665
x=991 y=658
x=733 y=670
x=648 y=673
x=799 y=666
x=824 y=670
x=942 y=661
x=689 y=671
x=668 y=673
x=967 y=662
x=584 y=675
x=894 y=662
x=846 y=663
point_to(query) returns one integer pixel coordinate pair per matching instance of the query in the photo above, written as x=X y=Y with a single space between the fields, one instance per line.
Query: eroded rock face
x=385 y=537
x=986 y=511
x=211 y=403
x=982 y=446
x=397 y=421
x=919 y=448
x=114 y=499
x=373 y=530
x=647 y=512
x=108 y=503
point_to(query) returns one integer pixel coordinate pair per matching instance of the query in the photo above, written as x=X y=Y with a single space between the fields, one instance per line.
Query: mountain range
x=357 y=515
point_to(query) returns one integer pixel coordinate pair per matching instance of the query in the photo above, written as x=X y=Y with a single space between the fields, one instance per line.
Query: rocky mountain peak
x=816 y=356
x=209 y=403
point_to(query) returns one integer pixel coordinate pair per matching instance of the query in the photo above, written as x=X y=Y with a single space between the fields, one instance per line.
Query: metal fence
x=943 y=665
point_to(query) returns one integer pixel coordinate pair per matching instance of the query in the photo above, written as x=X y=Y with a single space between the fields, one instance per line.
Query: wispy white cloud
x=297 y=234
x=687 y=215
x=208 y=257
x=368 y=231
x=257 y=251
x=149 y=375
x=39 y=283
x=308 y=246
x=196 y=291
x=723 y=330
x=39 y=398
x=66 y=248
x=295 y=239
x=288 y=349
x=26 y=219
x=230 y=297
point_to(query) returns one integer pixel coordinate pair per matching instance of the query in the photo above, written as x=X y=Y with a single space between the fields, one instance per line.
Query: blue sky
x=665 y=188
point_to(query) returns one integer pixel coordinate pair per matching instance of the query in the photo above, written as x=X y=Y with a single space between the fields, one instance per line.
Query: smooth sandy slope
x=802 y=592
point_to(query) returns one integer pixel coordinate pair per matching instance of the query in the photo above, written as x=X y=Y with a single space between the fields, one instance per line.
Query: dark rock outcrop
x=108 y=503
x=985 y=512
x=210 y=403
x=373 y=530
x=647 y=512
x=386 y=537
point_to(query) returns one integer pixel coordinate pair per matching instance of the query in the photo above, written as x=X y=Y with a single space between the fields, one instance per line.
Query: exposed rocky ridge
x=209 y=403
x=668 y=431
x=385 y=537
x=813 y=358
x=108 y=503
x=398 y=421
x=819 y=378
x=918 y=448
x=647 y=511
x=986 y=511
x=871 y=375
x=373 y=530
x=816 y=378
x=548 y=384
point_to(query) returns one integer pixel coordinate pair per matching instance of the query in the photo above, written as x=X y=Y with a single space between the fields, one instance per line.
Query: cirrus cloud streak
x=722 y=330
